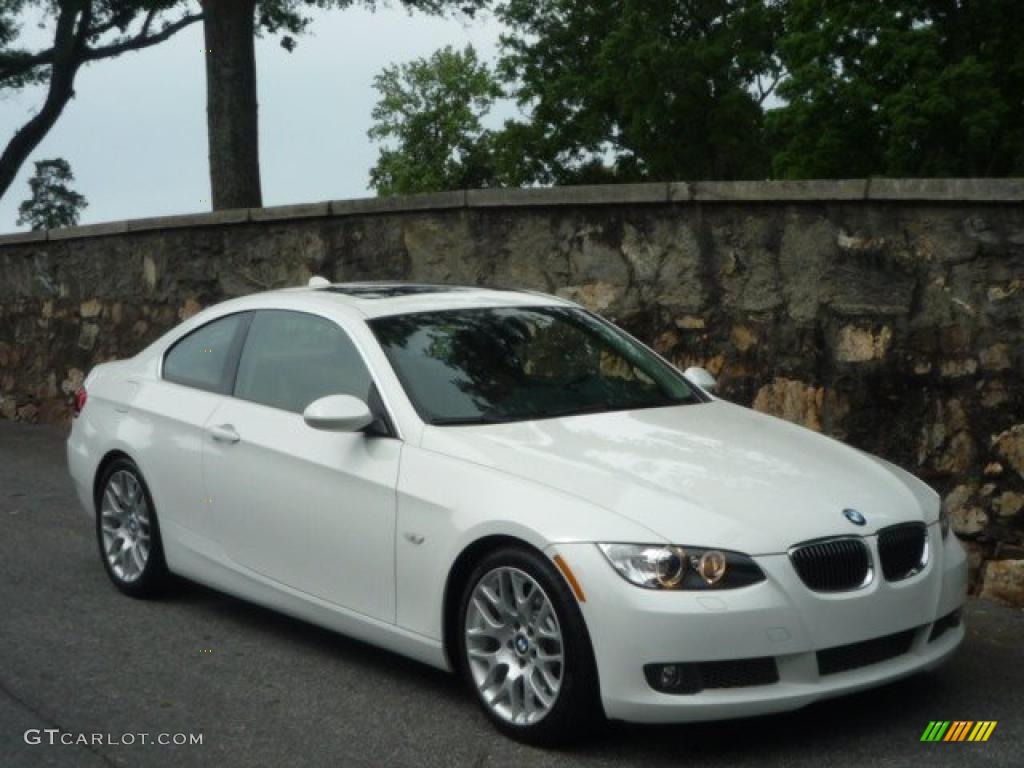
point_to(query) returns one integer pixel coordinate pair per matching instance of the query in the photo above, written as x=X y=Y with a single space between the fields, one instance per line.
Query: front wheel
x=525 y=650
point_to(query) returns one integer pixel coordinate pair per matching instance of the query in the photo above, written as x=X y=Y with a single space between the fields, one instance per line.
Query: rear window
x=203 y=358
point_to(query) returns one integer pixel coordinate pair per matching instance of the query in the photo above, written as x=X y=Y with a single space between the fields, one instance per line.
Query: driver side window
x=291 y=359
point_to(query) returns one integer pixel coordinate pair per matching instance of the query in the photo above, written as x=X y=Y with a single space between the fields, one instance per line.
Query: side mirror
x=338 y=413
x=701 y=378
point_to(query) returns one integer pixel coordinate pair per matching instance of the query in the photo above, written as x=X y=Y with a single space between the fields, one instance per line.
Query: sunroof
x=385 y=291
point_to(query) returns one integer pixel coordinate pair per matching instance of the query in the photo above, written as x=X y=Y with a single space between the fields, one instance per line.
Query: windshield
x=472 y=366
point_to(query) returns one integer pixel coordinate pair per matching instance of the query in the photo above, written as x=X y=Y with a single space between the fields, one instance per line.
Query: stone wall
x=889 y=313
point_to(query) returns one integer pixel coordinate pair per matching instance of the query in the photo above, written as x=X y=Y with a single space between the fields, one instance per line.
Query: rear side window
x=291 y=359
x=203 y=358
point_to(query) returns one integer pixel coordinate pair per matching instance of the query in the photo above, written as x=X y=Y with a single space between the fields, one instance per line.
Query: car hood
x=710 y=474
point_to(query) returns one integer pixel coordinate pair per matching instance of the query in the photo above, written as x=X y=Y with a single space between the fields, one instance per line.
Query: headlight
x=658 y=566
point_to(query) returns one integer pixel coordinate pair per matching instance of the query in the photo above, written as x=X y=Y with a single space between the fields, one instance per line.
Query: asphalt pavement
x=77 y=658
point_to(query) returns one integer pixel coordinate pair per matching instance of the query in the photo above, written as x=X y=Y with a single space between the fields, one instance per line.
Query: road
x=264 y=690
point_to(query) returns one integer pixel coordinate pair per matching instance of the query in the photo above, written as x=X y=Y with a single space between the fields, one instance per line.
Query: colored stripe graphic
x=952 y=730
x=958 y=730
x=935 y=730
x=983 y=730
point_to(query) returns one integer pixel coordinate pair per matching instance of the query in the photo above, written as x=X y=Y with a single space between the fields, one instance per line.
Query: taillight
x=79 y=402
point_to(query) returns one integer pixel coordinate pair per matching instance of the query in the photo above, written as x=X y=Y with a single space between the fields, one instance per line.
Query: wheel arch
x=108 y=458
x=462 y=566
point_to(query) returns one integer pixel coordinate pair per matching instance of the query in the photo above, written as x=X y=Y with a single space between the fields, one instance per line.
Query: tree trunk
x=231 y=108
x=68 y=47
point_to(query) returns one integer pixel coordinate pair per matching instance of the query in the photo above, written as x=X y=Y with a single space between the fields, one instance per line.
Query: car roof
x=380 y=299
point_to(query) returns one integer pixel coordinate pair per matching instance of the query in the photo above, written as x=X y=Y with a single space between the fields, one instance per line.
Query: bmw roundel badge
x=854 y=516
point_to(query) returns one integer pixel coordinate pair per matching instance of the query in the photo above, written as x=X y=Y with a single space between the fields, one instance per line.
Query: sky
x=135 y=133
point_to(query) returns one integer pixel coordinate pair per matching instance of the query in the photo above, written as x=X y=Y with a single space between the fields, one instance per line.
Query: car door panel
x=310 y=509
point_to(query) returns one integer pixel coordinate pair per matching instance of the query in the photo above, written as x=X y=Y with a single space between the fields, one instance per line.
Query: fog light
x=668 y=678
x=676 y=677
x=711 y=567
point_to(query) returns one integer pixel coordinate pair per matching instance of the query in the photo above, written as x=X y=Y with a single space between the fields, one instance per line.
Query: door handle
x=224 y=433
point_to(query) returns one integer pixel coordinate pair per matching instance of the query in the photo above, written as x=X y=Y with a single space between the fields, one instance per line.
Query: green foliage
x=632 y=90
x=288 y=17
x=108 y=29
x=53 y=203
x=429 y=113
x=10 y=28
x=901 y=88
x=84 y=31
x=615 y=90
x=81 y=31
x=642 y=89
x=119 y=25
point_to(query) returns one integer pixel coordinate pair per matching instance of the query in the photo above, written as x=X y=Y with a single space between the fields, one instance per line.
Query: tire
x=128 y=532
x=524 y=640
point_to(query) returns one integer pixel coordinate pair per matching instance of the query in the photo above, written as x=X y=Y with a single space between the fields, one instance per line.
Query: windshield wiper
x=491 y=418
x=483 y=418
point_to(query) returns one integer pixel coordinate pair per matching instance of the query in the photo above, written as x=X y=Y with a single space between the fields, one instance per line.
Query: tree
x=431 y=110
x=84 y=31
x=232 y=119
x=231 y=106
x=92 y=30
x=902 y=87
x=53 y=203
x=641 y=89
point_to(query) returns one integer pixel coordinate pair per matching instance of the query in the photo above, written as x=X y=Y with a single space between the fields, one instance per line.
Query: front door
x=309 y=509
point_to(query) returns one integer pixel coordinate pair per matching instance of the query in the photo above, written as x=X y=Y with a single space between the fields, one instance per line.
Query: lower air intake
x=843 y=658
x=694 y=677
x=943 y=625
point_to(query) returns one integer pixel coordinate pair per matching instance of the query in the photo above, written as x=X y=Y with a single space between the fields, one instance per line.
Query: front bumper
x=779 y=618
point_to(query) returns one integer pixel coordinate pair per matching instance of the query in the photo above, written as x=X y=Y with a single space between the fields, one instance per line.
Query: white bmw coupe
x=505 y=485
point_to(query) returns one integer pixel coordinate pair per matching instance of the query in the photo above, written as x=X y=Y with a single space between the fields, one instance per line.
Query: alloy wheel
x=125 y=525
x=514 y=646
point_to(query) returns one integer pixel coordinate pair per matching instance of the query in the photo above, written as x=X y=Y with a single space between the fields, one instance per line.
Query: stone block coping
x=881 y=190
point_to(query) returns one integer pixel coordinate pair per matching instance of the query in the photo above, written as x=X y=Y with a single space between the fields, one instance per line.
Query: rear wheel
x=525 y=650
x=128 y=532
